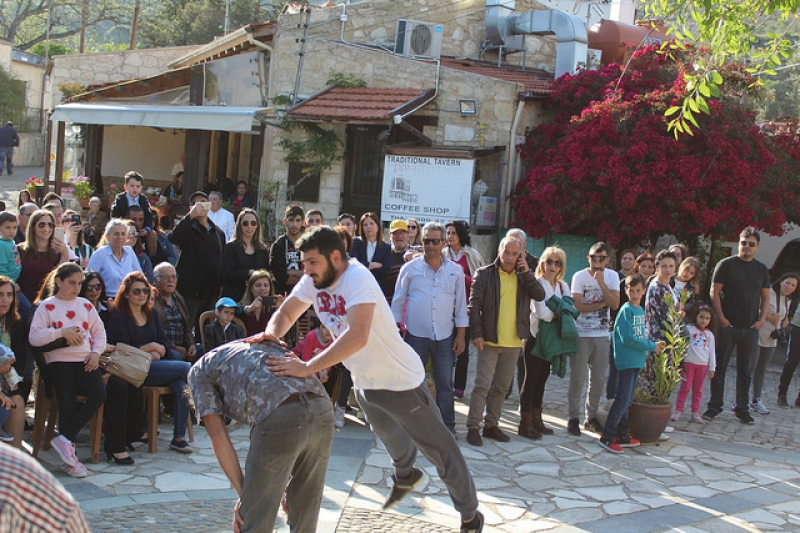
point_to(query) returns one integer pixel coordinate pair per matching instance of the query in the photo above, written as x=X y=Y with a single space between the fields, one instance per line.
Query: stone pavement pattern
x=716 y=477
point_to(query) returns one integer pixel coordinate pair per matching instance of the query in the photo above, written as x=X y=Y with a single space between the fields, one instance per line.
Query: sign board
x=426 y=188
x=487 y=211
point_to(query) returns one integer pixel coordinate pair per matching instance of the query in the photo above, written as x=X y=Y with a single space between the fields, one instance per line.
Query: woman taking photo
x=256 y=302
x=114 y=260
x=243 y=255
x=458 y=250
x=39 y=254
x=75 y=367
x=134 y=323
x=370 y=250
x=550 y=273
x=73 y=234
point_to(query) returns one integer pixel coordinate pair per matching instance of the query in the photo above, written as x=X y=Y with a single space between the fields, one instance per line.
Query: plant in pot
x=81 y=189
x=649 y=413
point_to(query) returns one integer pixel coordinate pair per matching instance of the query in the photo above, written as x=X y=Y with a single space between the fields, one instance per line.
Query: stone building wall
x=87 y=69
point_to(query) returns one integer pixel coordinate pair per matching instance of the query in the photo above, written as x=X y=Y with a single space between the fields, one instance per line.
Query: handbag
x=128 y=363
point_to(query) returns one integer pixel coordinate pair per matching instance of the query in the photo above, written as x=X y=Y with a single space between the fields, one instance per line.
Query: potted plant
x=649 y=413
x=35 y=188
x=81 y=189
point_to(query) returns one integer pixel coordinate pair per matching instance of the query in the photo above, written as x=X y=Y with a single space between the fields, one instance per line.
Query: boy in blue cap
x=223 y=329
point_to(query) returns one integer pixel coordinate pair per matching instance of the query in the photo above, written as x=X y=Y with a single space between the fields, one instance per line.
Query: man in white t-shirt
x=596 y=292
x=221 y=216
x=388 y=375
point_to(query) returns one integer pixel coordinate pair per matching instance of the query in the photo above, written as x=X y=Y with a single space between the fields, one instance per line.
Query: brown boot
x=526 y=428
x=538 y=425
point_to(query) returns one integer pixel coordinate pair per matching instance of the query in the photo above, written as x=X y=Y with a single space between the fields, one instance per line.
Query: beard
x=327 y=278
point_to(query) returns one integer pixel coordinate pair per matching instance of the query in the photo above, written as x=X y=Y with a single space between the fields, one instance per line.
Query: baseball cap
x=398 y=224
x=225 y=301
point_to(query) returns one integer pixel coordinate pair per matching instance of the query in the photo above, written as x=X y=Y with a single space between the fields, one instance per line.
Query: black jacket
x=8 y=136
x=215 y=336
x=200 y=264
x=236 y=267
x=280 y=254
x=383 y=255
x=120 y=207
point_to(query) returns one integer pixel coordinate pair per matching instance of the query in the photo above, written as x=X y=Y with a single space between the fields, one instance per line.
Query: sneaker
x=759 y=407
x=782 y=401
x=593 y=425
x=745 y=418
x=473 y=526
x=697 y=418
x=5 y=436
x=573 y=427
x=65 y=449
x=180 y=446
x=610 y=445
x=338 y=417
x=458 y=393
x=676 y=416
x=77 y=470
x=733 y=407
x=401 y=488
x=710 y=414
x=626 y=441
x=797 y=401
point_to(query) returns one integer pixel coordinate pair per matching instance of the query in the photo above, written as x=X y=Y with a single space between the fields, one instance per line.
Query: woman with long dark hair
x=370 y=250
x=243 y=255
x=40 y=253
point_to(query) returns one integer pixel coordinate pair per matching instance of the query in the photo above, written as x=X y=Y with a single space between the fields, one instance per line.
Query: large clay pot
x=647 y=422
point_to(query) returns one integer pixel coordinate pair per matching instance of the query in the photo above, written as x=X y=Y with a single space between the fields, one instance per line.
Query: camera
x=780 y=336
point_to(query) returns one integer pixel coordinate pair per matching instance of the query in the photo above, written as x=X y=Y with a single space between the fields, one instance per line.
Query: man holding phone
x=499 y=321
x=200 y=265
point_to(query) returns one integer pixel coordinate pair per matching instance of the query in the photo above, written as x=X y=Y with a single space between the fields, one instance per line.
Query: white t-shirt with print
x=596 y=323
x=386 y=362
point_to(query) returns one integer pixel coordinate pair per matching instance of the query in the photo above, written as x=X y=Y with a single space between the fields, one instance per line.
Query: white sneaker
x=65 y=449
x=759 y=407
x=78 y=470
x=676 y=416
x=338 y=417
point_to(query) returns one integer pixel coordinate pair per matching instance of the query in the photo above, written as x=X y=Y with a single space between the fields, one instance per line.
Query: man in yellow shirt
x=499 y=309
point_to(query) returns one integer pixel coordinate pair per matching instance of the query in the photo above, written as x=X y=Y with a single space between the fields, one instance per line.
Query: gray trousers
x=494 y=376
x=407 y=420
x=291 y=447
x=591 y=357
x=759 y=368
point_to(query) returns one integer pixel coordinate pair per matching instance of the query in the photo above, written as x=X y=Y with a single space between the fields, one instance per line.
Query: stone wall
x=87 y=69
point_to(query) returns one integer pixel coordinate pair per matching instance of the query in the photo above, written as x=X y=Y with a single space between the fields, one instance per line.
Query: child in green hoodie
x=630 y=350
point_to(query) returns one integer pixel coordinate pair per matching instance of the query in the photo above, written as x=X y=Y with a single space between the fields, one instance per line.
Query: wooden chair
x=44 y=422
x=208 y=316
x=152 y=398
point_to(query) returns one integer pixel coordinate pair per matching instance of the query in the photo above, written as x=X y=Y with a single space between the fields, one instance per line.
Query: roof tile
x=535 y=81
x=349 y=103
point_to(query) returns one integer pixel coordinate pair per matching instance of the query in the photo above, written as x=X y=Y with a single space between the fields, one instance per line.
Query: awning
x=211 y=118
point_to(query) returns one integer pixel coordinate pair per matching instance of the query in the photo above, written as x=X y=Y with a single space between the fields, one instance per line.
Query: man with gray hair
x=220 y=216
x=431 y=291
x=25 y=212
x=499 y=321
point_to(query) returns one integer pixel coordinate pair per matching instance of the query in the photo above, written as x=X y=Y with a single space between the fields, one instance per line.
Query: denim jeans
x=745 y=341
x=6 y=153
x=791 y=361
x=172 y=374
x=442 y=359
x=617 y=419
x=289 y=453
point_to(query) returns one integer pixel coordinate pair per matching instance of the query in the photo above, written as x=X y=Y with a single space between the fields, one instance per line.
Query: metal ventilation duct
x=504 y=26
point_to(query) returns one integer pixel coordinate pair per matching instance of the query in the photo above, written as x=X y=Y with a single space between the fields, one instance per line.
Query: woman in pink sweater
x=75 y=367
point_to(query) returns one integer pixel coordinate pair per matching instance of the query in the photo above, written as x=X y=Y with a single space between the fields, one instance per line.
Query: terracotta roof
x=537 y=82
x=366 y=104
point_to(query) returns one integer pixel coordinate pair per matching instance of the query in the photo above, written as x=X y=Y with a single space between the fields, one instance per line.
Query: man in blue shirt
x=431 y=291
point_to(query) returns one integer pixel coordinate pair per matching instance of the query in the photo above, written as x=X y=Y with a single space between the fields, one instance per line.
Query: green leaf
x=716 y=77
x=671 y=111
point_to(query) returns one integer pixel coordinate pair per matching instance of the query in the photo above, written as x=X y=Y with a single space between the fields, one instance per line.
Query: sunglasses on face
x=45 y=224
x=434 y=242
x=93 y=287
x=751 y=244
x=246 y=223
x=138 y=292
x=556 y=262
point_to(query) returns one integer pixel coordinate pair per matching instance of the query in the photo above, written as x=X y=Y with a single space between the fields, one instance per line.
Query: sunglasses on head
x=434 y=242
x=751 y=244
x=138 y=291
x=246 y=223
x=45 y=224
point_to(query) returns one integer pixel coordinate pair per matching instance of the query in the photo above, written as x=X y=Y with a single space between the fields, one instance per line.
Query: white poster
x=426 y=188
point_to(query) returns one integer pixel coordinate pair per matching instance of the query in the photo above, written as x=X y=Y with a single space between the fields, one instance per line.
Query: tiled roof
x=366 y=104
x=537 y=82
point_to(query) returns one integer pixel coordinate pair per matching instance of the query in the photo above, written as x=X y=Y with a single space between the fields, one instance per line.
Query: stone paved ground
x=715 y=477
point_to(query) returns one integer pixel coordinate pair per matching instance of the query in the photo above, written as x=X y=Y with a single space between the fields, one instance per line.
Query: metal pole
x=302 y=55
x=227 y=15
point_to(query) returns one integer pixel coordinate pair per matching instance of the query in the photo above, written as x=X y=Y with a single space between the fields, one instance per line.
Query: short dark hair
x=750 y=231
x=133 y=208
x=314 y=212
x=323 y=239
x=195 y=194
x=633 y=280
x=599 y=246
x=462 y=230
x=294 y=211
x=5 y=216
x=133 y=175
x=344 y=216
x=49 y=197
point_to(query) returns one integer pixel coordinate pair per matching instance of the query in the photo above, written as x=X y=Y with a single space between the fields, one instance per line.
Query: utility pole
x=135 y=28
x=84 y=14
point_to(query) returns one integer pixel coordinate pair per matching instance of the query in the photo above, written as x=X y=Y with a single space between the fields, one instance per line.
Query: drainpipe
x=512 y=160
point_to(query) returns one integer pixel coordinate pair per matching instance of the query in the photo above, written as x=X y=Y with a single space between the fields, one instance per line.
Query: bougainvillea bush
x=606 y=166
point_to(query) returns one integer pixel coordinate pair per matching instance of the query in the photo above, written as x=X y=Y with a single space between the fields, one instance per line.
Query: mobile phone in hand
x=269 y=301
x=59 y=233
x=75 y=220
